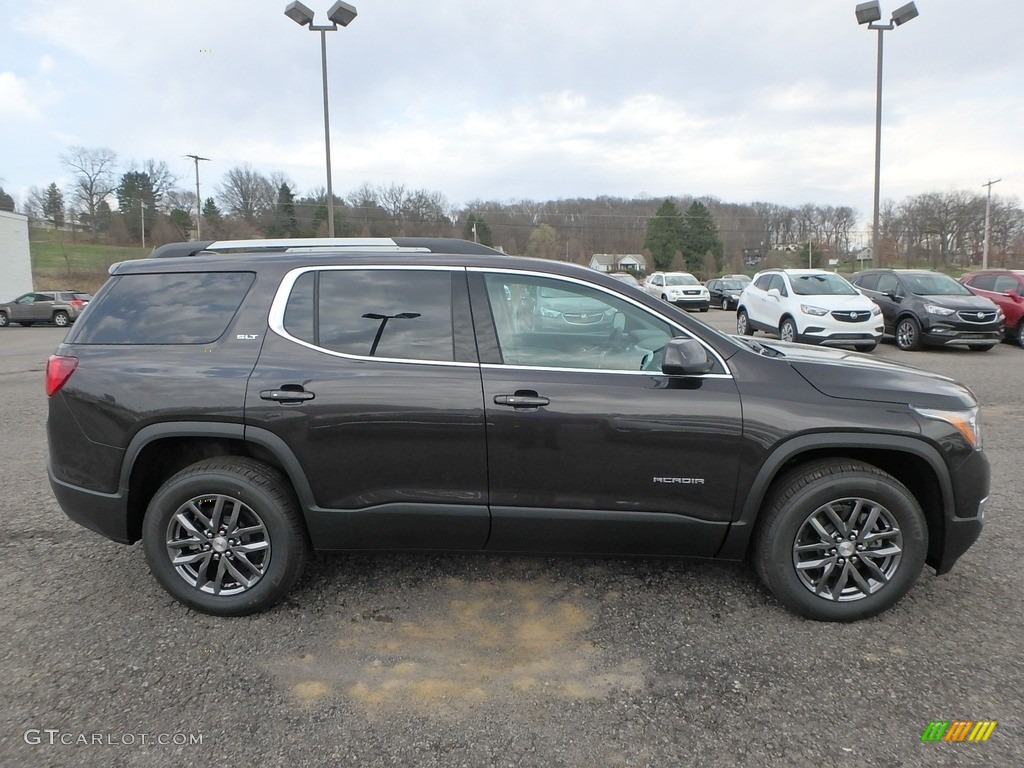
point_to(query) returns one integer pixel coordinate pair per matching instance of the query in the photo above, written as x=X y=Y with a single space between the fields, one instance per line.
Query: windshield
x=934 y=285
x=821 y=284
x=681 y=280
x=731 y=285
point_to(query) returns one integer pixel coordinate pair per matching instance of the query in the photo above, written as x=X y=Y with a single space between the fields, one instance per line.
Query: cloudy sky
x=540 y=99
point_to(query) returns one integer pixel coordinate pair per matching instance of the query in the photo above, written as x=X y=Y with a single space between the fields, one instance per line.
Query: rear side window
x=175 y=308
x=983 y=282
x=868 y=282
x=397 y=314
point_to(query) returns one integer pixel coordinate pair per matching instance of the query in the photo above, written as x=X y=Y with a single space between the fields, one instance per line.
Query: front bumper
x=946 y=334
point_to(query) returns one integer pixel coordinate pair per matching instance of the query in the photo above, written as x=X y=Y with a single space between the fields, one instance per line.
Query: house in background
x=618 y=262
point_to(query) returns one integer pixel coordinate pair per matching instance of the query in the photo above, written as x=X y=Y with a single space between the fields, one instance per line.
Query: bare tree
x=94 y=177
x=247 y=193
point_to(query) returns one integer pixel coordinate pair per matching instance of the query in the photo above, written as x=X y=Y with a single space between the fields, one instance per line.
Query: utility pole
x=199 y=200
x=142 y=212
x=988 y=208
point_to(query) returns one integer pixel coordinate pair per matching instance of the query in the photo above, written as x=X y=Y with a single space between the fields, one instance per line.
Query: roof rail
x=325 y=245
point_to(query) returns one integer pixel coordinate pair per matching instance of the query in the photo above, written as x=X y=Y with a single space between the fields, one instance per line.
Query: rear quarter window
x=165 y=308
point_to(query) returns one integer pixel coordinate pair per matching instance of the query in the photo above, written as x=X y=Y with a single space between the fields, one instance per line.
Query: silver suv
x=58 y=307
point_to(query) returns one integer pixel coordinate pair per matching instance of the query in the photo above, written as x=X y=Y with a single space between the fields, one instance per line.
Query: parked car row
x=917 y=307
x=61 y=308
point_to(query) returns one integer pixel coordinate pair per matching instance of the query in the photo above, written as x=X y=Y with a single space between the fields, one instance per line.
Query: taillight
x=58 y=370
x=76 y=303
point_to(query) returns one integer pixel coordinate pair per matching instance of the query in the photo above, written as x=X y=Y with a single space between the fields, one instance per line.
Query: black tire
x=267 y=557
x=908 y=334
x=787 y=328
x=705 y=309
x=61 y=319
x=4 y=320
x=866 y=347
x=1020 y=333
x=743 y=326
x=875 y=514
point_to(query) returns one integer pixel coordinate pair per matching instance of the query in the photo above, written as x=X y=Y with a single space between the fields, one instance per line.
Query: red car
x=1006 y=288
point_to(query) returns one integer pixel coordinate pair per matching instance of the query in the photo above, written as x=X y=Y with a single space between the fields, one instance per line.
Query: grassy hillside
x=60 y=261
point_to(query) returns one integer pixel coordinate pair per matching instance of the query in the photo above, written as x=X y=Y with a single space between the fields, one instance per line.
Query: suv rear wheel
x=1020 y=333
x=224 y=537
x=60 y=318
x=840 y=541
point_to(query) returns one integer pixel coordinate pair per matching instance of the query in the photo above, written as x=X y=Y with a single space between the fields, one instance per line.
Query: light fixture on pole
x=988 y=208
x=199 y=200
x=870 y=13
x=341 y=13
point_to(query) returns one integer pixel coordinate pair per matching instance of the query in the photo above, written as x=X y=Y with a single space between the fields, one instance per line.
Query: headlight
x=549 y=313
x=967 y=423
x=876 y=310
x=808 y=309
x=932 y=309
x=1000 y=317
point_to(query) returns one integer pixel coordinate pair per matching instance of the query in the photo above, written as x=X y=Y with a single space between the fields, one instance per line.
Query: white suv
x=679 y=288
x=809 y=305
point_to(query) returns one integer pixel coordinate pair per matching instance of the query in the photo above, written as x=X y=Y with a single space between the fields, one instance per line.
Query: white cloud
x=16 y=100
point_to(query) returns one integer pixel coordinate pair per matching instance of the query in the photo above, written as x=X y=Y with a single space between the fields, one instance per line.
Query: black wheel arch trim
x=742 y=529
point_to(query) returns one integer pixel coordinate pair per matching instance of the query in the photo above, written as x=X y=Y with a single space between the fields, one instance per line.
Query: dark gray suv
x=58 y=307
x=236 y=405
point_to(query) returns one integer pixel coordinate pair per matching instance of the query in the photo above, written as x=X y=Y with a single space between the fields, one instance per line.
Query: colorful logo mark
x=958 y=730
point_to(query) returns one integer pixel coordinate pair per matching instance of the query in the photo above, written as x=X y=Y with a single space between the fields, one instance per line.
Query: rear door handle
x=286 y=394
x=522 y=400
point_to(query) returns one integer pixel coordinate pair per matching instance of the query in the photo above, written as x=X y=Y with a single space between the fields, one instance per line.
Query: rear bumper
x=104 y=513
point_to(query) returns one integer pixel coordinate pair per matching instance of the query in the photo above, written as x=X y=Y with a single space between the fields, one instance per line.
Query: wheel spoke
x=870 y=523
x=185 y=523
x=835 y=519
x=876 y=572
x=815 y=547
x=217 y=514
x=199 y=514
x=859 y=580
x=218 y=579
x=820 y=530
x=237 y=574
x=236 y=508
x=194 y=557
x=840 y=585
x=253 y=546
x=883 y=552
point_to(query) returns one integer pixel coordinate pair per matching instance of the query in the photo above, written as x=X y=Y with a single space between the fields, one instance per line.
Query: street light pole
x=869 y=13
x=988 y=208
x=199 y=200
x=341 y=13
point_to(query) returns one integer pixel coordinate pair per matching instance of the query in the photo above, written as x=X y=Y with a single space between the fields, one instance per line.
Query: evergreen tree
x=53 y=205
x=700 y=236
x=286 y=223
x=213 y=222
x=664 y=234
x=6 y=201
x=483 y=232
x=134 y=191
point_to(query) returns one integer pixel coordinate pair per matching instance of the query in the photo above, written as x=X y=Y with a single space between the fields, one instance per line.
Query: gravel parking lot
x=412 y=660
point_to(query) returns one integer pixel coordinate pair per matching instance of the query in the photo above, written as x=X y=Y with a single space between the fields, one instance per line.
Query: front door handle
x=289 y=393
x=522 y=400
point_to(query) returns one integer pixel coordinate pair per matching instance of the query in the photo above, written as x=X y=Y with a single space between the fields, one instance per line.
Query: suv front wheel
x=788 y=331
x=224 y=536
x=840 y=540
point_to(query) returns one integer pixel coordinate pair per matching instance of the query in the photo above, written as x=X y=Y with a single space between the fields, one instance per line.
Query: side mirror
x=685 y=357
x=774 y=293
x=892 y=296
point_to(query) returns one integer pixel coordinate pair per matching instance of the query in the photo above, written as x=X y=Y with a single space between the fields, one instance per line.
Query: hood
x=832 y=302
x=855 y=376
x=959 y=302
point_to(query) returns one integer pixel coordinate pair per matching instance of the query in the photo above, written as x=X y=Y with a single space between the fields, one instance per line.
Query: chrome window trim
x=627 y=299
x=275 y=321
